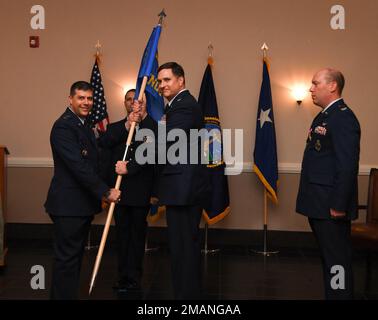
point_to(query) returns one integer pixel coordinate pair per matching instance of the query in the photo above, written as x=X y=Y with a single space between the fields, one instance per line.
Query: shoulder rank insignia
x=318 y=145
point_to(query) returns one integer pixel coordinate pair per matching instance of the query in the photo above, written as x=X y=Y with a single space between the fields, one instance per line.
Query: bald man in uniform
x=328 y=193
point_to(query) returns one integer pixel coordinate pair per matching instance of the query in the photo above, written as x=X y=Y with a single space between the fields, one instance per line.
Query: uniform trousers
x=185 y=248
x=70 y=237
x=334 y=240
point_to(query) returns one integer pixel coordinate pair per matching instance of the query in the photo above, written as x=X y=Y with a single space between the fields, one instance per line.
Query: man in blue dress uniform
x=328 y=193
x=76 y=189
x=183 y=186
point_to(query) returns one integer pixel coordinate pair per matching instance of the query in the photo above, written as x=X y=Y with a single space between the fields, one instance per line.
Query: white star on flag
x=264 y=117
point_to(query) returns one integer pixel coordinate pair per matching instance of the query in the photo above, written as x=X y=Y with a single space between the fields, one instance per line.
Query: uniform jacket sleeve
x=346 y=142
x=115 y=135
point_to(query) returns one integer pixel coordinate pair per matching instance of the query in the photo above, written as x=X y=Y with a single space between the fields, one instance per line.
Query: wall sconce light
x=127 y=87
x=299 y=93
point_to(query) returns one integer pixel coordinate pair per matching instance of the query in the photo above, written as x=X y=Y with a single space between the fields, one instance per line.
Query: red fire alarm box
x=34 y=41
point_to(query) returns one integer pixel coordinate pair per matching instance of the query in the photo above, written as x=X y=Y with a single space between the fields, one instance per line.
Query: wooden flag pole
x=118 y=182
x=265 y=220
x=265 y=251
x=97 y=57
x=206 y=251
x=112 y=205
x=265 y=208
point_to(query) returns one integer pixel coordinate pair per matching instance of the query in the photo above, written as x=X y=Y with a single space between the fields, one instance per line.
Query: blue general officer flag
x=148 y=68
x=265 y=153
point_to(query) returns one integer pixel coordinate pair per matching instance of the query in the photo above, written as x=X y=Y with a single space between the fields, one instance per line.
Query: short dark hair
x=177 y=70
x=80 y=85
x=338 y=77
x=130 y=90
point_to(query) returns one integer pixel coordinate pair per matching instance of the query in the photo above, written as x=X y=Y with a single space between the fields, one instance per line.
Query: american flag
x=98 y=117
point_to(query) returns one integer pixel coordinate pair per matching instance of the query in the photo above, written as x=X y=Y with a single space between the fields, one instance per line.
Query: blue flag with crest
x=218 y=205
x=155 y=102
x=148 y=67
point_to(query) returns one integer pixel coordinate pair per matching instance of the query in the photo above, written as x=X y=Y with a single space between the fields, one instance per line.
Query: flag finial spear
x=161 y=16
x=98 y=48
x=210 y=59
x=265 y=49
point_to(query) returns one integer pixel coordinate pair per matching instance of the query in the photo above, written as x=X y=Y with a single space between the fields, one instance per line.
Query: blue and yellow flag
x=148 y=67
x=219 y=204
x=155 y=102
x=265 y=153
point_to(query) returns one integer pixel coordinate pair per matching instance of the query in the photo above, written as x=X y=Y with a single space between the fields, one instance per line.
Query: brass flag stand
x=149 y=249
x=206 y=250
x=265 y=250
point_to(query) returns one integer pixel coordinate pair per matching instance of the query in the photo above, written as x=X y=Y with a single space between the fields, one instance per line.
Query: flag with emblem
x=265 y=153
x=148 y=67
x=219 y=203
x=98 y=117
x=155 y=102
